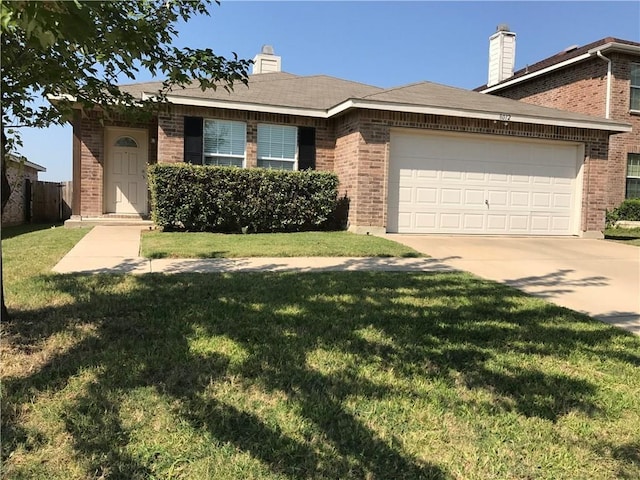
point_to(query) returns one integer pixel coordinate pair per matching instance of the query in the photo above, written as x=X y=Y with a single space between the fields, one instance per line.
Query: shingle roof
x=437 y=95
x=324 y=96
x=561 y=57
x=278 y=88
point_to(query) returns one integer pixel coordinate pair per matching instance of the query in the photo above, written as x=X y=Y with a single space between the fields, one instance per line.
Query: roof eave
x=24 y=162
x=231 y=105
x=616 y=46
x=609 y=126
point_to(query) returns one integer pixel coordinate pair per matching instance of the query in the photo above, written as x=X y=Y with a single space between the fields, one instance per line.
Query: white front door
x=126 y=171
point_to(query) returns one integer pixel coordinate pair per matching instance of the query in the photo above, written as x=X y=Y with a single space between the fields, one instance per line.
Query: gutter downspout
x=608 y=101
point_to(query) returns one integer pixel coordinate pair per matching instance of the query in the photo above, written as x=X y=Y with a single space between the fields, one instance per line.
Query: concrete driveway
x=596 y=277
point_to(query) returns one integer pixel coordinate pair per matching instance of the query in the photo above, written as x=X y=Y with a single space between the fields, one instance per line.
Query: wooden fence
x=50 y=202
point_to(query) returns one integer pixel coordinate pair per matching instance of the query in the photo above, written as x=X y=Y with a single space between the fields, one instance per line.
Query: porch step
x=109 y=220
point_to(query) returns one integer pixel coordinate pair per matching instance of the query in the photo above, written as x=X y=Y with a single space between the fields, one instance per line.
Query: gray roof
x=282 y=89
x=443 y=96
x=321 y=93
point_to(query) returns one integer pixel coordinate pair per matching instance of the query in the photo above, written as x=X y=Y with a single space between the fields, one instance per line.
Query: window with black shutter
x=306 y=148
x=193 y=140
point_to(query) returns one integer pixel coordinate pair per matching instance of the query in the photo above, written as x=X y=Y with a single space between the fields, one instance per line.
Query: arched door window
x=126 y=141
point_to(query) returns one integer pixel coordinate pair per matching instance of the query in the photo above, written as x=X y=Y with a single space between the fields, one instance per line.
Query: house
x=22 y=174
x=419 y=158
x=601 y=79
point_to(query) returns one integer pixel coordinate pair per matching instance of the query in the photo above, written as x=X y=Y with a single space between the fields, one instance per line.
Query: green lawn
x=287 y=376
x=630 y=236
x=305 y=244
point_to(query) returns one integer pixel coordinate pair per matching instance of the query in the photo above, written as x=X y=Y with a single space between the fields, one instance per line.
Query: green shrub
x=628 y=210
x=226 y=199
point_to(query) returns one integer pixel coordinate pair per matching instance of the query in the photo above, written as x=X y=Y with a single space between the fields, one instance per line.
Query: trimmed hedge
x=229 y=199
x=628 y=210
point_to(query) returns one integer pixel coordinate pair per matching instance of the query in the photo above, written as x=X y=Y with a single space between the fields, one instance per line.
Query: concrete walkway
x=109 y=249
x=597 y=277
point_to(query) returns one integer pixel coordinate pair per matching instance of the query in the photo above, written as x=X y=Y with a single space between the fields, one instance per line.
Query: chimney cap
x=267 y=50
x=503 y=27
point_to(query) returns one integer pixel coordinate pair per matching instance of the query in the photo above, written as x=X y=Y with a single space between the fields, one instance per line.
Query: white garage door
x=481 y=184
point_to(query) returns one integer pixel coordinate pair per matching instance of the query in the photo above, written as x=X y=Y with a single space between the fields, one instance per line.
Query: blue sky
x=384 y=43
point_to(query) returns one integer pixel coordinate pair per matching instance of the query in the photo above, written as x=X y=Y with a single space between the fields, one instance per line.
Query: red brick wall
x=171 y=132
x=92 y=155
x=347 y=143
x=582 y=88
x=355 y=145
x=368 y=205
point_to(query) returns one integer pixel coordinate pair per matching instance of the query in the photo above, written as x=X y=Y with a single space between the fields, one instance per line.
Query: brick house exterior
x=20 y=173
x=579 y=79
x=353 y=125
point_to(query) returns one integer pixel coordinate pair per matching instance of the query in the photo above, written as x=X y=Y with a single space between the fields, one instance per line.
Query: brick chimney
x=266 y=61
x=502 y=55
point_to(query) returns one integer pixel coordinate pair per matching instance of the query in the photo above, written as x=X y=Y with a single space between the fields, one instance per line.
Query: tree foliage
x=81 y=49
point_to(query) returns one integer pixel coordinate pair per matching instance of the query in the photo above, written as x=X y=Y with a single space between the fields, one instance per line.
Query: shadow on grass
x=145 y=326
x=10 y=232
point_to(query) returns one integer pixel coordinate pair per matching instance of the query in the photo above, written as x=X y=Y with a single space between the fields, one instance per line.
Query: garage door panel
x=475 y=177
x=518 y=224
x=562 y=200
x=538 y=180
x=427 y=174
x=474 y=197
x=541 y=200
x=448 y=175
x=450 y=196
x=405 y=194
x=560 y=224
x=404 y=220
x=442 y=185
x=425 y=220
x=519 y=199
x=427 y=196
x=497 y=198
x=474 y=222
x=497 y=222
x=450 y=221
x=540 y=223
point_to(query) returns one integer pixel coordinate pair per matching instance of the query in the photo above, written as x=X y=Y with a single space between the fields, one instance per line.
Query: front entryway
x=126 y=171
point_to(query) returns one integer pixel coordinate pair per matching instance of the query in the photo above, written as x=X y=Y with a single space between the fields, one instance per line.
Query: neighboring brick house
x=420 y=158
x=601 y=78
x=22 y=174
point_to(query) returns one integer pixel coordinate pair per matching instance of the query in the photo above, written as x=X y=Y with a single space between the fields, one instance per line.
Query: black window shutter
x=193 y=140
x=306 y=148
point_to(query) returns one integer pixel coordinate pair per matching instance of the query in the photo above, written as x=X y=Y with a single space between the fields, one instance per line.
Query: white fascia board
x=54 y=98
x=537 y=73
x=618 y=47
x=35 y=166
x=252 y=107
x=483 y=115
x=26 y=163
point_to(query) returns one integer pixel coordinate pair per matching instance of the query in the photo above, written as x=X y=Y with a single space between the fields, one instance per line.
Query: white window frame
x=634 y=89
x=206 y=155
x=635 y=177
x=293 y=161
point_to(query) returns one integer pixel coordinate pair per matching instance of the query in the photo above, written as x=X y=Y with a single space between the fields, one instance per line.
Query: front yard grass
x=630 y=236
x=318 y=375
x=304 y=244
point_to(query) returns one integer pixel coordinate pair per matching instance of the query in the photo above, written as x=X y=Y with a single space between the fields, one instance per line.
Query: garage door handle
x=486 y=202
